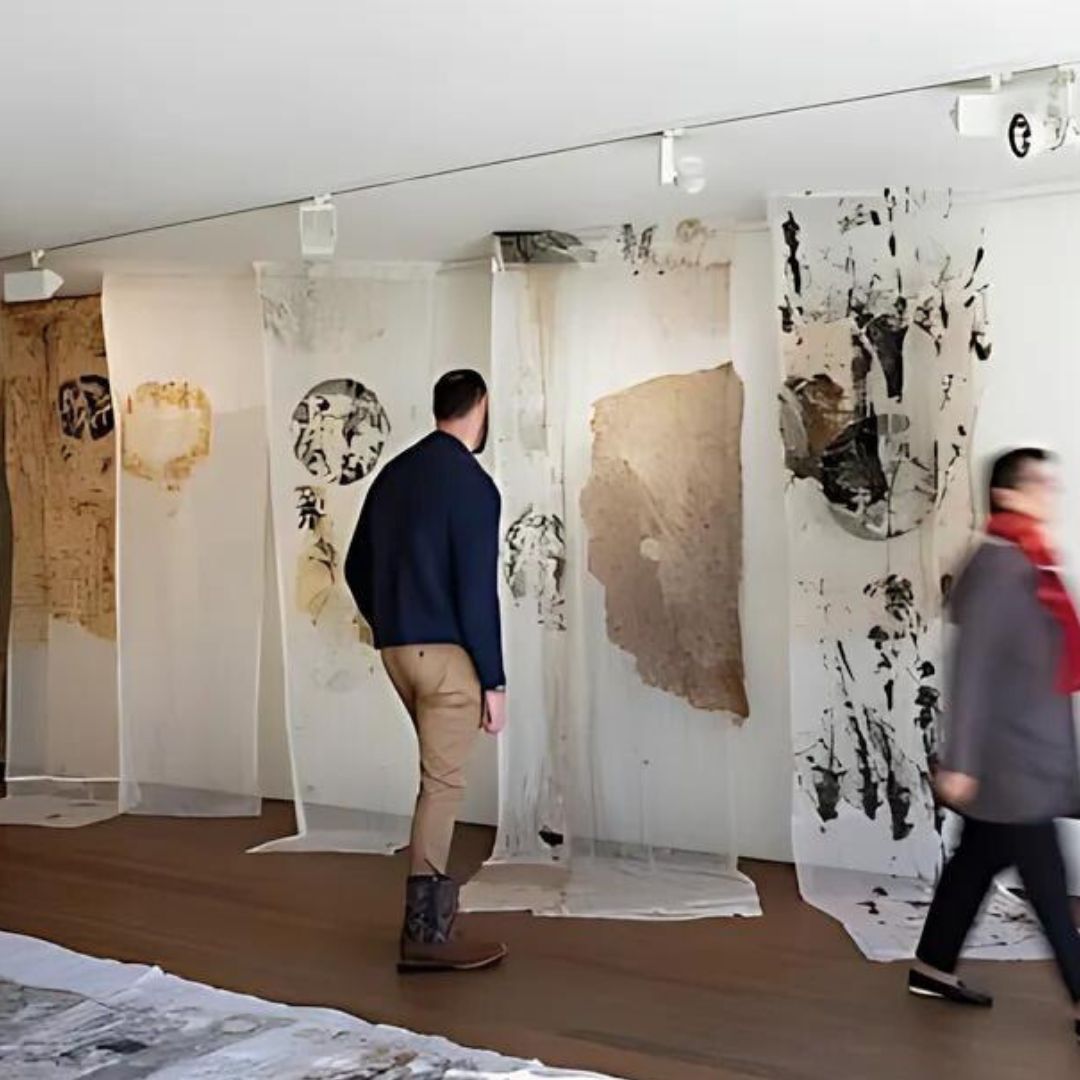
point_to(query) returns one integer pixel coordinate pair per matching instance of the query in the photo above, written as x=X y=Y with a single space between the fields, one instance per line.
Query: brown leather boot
x=429 y=941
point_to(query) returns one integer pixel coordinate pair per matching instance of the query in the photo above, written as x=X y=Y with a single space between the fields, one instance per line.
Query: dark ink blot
x=851 y=471
x=979 y=256
x=791 y=230
x=980 y=344
x=887 y=334
x=534 y=564
x=310 y=506
x=827 y=777
x=85 y=407
x=928 y=702
x=552 y=838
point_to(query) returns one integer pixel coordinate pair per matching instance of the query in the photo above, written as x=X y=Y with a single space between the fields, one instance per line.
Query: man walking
x=423 y=569
x=1010 y=765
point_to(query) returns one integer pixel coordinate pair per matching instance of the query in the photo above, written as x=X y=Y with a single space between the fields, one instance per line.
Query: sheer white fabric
x=351 y=355
x=614 y=798
x=883 y=297
x=186 y=361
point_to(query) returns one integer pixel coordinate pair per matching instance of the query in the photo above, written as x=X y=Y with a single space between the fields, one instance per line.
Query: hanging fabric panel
x=617 y=418
x=351 y=354
x=186 y=362
x=883 y=332
x=60 y=456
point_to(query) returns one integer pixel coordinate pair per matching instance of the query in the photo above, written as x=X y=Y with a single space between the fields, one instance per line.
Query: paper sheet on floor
x=64 y=1016
x=884 y=916
x=57 y=811
x=609 y=888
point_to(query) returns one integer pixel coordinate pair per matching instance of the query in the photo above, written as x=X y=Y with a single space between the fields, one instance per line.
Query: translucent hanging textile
x=186 y=361
x=617 y=419
x=883 y=332
x=60 y=452
x=352 y=353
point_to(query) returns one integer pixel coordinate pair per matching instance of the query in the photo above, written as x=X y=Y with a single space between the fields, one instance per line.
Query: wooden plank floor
x=785 y=996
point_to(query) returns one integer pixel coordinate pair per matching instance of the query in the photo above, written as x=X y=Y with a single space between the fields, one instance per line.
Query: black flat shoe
x=925 y=986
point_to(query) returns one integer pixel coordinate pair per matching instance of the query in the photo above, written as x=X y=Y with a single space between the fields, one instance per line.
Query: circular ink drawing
x=339 y=431
x=85 y=407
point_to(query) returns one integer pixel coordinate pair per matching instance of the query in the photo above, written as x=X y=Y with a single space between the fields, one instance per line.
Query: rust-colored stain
x=663 y=507
x=60 y=454
x=166 y=432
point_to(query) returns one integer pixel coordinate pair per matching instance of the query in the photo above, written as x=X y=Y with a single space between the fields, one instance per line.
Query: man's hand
x=956 y=789
x=494 y=711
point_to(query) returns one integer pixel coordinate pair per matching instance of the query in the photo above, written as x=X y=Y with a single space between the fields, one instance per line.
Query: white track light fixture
x=25 y=286
x=685 y=171
x=318 y=228
x=1032 y=113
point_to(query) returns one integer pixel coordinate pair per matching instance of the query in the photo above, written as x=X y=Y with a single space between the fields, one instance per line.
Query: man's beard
x=481 y=446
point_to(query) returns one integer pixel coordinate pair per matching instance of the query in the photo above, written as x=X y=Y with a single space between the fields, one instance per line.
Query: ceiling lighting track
x=540 y=155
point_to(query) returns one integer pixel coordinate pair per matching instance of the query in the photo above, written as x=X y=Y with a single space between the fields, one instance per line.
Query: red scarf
x=1027 y=534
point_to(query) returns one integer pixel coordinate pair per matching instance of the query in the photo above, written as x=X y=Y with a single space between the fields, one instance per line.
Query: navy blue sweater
x=423 y=563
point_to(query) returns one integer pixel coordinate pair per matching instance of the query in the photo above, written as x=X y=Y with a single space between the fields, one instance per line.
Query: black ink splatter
x=791 y=230
x=869 y=792
x=827 y=776
x=980 y=343
x=897 y=793
x=851 y=472
x=552 y=838
x=535 y=564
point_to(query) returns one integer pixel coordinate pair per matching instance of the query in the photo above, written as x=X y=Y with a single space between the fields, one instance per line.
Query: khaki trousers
x=439 y=687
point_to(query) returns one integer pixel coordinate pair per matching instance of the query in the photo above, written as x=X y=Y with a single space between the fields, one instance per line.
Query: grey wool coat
x=1005 y=722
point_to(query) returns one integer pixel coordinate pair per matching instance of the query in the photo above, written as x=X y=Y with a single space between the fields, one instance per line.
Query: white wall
x=763 y=766
x=1032 y=394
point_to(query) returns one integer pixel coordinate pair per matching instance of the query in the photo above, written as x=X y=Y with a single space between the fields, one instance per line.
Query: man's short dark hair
x=1009 y=469
x=457 y=393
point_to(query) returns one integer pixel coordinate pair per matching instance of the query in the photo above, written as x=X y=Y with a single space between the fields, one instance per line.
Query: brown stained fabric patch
x=166 y=432
x=663 y=508
x=320 y=589
x=60 y=453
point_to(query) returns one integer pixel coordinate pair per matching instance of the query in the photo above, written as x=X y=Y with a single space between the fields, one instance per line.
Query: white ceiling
x=123 y=114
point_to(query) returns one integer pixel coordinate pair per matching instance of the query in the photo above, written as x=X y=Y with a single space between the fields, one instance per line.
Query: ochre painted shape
x=166 y=432
x=60 y=454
